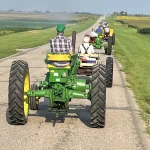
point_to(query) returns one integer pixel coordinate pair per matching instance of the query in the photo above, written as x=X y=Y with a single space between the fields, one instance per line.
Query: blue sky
x=94 y=6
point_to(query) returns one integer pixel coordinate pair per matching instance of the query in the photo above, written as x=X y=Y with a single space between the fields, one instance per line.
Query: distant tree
x=115 y=13
x=47 y=11
x=36 y=11
x=123 y=13
x=11 y=10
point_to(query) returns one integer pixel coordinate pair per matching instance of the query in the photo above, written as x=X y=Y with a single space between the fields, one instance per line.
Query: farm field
x=19 y=22
x=38 y=34
x=19 y=25
x=44 y=16
x=142 y=24
x=132 y=50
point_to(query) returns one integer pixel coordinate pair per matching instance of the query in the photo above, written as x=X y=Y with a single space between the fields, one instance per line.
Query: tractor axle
x=48 y=93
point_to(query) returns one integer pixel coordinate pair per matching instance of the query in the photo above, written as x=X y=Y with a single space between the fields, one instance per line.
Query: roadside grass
x=142 y=24
x=133 y=52
x=9 y=43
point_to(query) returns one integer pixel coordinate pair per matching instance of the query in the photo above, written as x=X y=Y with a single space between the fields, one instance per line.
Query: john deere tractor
x=60 y=86
x=109 y=37
x=99 y=42
x=107 y=33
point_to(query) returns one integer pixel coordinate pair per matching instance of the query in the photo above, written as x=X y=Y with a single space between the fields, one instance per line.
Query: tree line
x=124 y=13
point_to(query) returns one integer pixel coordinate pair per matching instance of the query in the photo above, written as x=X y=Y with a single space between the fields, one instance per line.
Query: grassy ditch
x=132 y=50
x=142 y=24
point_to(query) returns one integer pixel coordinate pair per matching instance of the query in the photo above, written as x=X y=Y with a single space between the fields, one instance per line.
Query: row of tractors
x=61 y=85
x=105 y=40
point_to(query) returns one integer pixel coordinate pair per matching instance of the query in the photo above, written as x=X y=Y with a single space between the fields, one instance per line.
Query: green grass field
x=18 y=22
x=9 y=43
x=19 y=25
x=142 y=24
x=139 y=23
x=133 y=51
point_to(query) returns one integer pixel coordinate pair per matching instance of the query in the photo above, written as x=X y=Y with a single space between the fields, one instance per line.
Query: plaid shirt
x=60 y=44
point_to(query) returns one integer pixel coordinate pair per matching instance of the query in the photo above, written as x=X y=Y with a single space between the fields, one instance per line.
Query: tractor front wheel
x=18 y=101
x=98 y=97
x=34 y=101
x=109 y=72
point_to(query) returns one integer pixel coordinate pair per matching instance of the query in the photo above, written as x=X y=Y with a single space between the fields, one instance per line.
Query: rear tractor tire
x=34 y=101
x=109 y=71
x=18 y=101
x=109 y=48
x=98 y=97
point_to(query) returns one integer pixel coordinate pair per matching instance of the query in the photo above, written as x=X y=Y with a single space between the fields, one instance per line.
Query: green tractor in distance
x=60 y=86
x=99 y=43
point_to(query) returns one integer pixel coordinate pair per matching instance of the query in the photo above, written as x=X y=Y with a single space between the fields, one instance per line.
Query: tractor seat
x=59 y=63
x=58 y=60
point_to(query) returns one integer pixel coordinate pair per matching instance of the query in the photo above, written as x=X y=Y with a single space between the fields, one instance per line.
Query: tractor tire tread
x=16 y=92
x=109 y=72
x=98 y=98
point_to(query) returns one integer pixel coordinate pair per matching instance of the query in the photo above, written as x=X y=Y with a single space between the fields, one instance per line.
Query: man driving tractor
x=61 y=44
x=99 y=30
x=106 y=29
x=86 y=47
x=93 y=33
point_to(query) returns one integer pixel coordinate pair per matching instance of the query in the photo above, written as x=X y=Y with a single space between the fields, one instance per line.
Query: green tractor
x=60 y=86
x=110 y=34
x=109 y=37
x=99 y=43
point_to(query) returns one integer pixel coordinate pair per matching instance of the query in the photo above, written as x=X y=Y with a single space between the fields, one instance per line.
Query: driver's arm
x=71 y=52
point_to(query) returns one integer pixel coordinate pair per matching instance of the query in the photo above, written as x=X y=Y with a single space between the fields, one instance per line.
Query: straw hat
x=86 y=39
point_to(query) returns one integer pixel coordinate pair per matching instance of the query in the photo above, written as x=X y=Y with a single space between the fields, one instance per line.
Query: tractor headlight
x=64 y=75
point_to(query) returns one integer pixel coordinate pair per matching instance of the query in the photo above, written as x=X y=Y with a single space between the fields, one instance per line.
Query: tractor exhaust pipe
x=74 y=40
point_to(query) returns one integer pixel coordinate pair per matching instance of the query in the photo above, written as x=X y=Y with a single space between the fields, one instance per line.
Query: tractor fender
x=111 y=32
